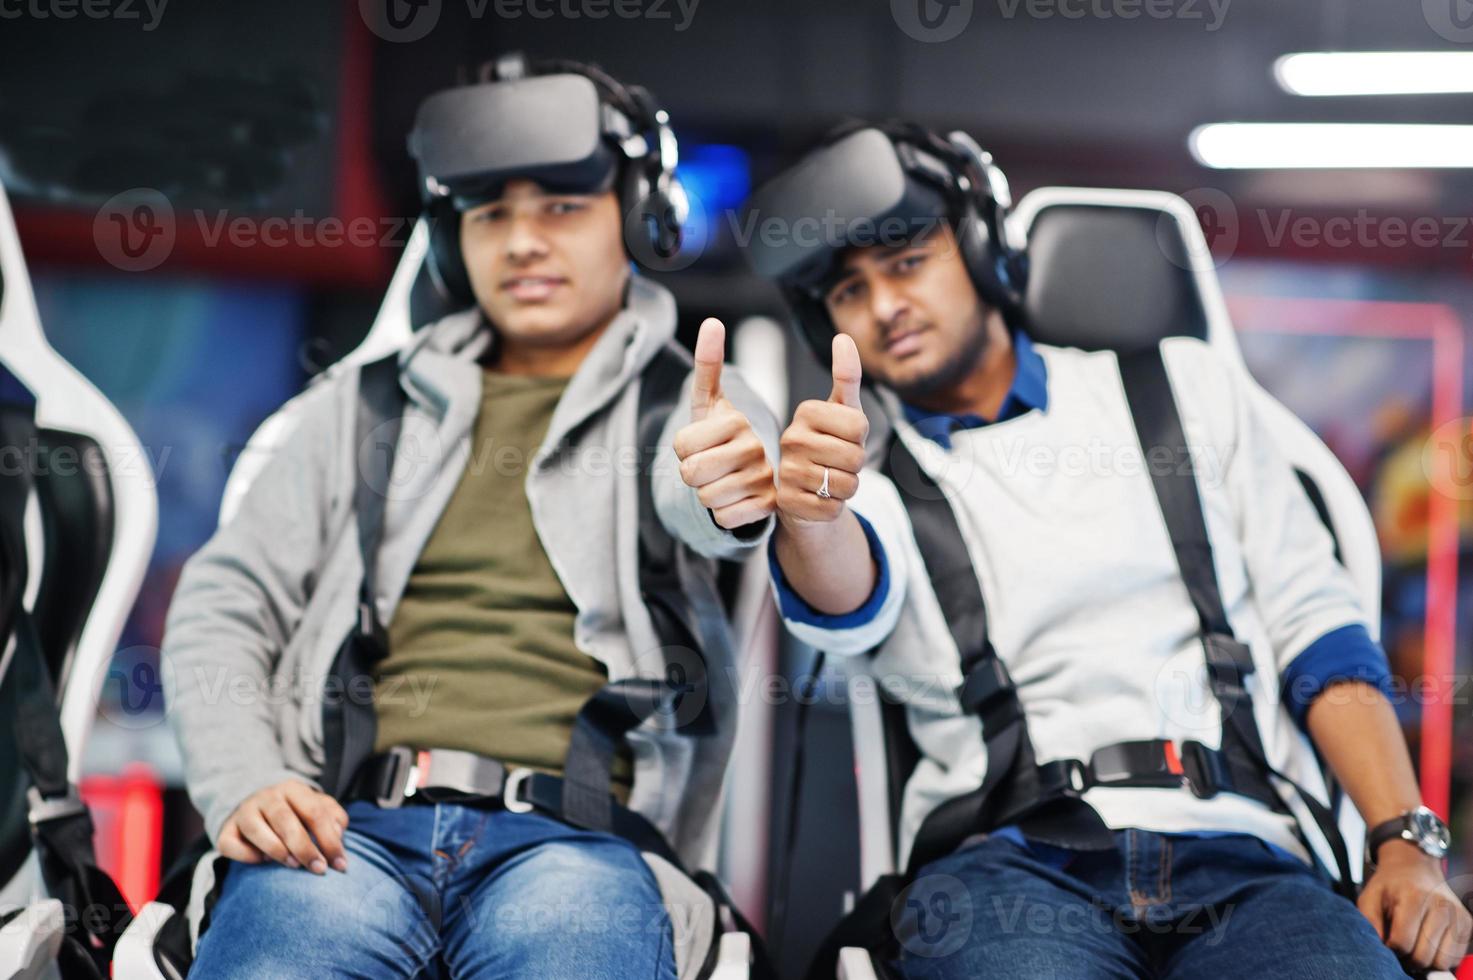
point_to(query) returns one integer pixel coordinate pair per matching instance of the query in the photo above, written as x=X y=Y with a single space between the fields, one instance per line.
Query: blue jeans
x=1157 y=906
x=446 y=890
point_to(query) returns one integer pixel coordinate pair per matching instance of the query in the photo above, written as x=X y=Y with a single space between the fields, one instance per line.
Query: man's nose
x=523 y=240
x=888 y=303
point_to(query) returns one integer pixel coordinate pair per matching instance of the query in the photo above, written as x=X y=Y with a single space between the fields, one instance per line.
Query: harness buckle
x=1145 y=762
x=371 y=631
x=1078 y=775
x=511 y=797
x=407 y=775
x=1229 y=663
x=1065 y=777
x=1200 y=770
x=985 y=683
x=45 y=810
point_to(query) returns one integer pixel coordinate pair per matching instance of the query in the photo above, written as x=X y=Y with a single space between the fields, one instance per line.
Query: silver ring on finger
x=823 y=489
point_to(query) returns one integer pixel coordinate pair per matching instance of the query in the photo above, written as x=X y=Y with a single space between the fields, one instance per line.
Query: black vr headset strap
x=349 y=722
x=1168 y=458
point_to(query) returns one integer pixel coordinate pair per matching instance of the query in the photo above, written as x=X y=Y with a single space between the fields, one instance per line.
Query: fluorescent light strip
x=1274 y=146
x=1375 y=72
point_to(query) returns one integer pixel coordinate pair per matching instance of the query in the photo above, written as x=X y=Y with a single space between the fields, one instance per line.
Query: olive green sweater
x=485 y=628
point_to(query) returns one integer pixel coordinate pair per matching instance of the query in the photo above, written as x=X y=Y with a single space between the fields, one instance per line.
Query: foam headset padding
x=447 y=263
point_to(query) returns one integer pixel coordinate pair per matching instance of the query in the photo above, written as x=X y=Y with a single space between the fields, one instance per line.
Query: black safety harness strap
x=581 y=796
x=986 y=690
x=1229 y=662
x=623 y=705
x=349 y=722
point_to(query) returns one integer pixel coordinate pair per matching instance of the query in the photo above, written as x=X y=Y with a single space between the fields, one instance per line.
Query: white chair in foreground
x=80 y=517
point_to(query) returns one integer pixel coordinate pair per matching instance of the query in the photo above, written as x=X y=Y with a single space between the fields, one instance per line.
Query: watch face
x=1428 y=832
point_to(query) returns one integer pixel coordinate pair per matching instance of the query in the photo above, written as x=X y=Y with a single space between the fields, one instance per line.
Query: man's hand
x=278 y=823
x=1413 y=910
x=824 y=435
x=721 y=457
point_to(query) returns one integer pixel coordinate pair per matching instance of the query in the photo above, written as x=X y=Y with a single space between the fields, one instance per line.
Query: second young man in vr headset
x=550 y=709
x=1059 y=782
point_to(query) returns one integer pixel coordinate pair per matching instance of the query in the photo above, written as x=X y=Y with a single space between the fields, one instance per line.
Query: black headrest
x=1110 y=277
x=427 y=302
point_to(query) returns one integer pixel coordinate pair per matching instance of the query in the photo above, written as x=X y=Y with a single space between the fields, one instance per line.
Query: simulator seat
x=78 y=514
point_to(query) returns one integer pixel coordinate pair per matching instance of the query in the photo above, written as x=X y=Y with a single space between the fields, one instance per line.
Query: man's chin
x=540 y=325
x=912 y=380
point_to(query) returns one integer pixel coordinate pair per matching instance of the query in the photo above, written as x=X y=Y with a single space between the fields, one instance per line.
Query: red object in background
x=128 y=814
x=1465 y=972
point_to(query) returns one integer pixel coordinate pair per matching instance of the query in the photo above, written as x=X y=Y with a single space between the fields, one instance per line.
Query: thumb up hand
x=823 y=448
x=721 y=457
x=705 y=386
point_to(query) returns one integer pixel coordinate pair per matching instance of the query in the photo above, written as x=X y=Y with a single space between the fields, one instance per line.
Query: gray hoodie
x=261 y=609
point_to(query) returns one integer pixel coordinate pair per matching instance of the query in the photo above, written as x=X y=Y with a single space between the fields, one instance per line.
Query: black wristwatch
x=1420 y=826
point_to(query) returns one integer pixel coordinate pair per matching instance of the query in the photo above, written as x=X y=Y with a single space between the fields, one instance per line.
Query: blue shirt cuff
x=795 y=608
x=1344 y=654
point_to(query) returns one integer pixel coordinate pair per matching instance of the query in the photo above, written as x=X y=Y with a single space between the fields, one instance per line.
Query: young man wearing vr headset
x=486 y=812
x=1101 y=821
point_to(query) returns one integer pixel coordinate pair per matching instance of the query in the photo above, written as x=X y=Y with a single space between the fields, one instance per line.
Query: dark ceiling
x=1093 y=92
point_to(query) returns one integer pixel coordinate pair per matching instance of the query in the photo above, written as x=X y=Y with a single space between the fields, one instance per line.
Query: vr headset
x=569 y=127
x=881 y=185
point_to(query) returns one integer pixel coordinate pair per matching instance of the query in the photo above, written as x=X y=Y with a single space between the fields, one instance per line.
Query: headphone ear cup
x=811 y=318
x=447 y=262
x=992 y=267
x=634 y=191
x=652 y=215
x=995 y=266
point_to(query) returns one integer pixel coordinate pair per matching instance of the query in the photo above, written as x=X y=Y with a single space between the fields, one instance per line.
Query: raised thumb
x=847 y=373
x=710 y=352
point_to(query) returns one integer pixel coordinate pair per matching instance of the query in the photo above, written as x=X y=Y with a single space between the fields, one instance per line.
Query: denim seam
x=667 y=943
x=1164 y=889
